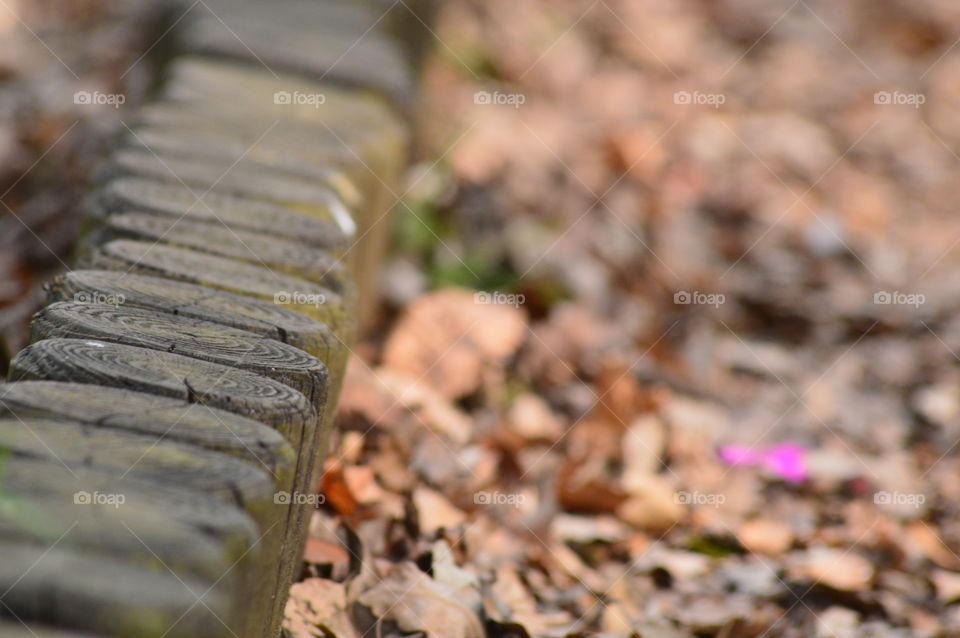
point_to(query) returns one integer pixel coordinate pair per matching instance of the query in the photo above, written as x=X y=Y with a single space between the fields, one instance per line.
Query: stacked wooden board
x=161 y=436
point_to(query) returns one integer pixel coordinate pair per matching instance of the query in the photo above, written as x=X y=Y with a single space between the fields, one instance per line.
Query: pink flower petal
x=739 y=455
x=784 y=460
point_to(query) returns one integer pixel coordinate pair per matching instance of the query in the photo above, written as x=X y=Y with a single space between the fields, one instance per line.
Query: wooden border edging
x=161 y=435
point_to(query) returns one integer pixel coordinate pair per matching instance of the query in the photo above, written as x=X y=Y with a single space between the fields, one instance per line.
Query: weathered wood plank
x=241 y=178
x=16 y=629
x=61 y=587
x=275 y=403
x=189 y=337
x=321 y=227
x=100 y=363
x=209 y=342
x=283 y=255
x=71 y=445
x=227 y=274
x=190 y=300
x=334 y=50
x=171 y=419
x=46 y=503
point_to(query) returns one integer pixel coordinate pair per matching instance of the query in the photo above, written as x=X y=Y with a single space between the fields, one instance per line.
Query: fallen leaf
x=434 y=511
x=531 y=418
x=416 y=602
x=335 y=490
x=927 y=541
x=320 y=552
x=318 y=608
x=765 y=536
x=947 y=585
x=840 y=569
x=447 y=337
x=652 y=506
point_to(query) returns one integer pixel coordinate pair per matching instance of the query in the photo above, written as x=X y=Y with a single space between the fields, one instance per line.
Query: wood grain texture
x=199 y=302
x=46 y=503
x=58 y=586
x=151 y=460
x=140 y=369
x=174 y=420
x=220 y=273
x=317 y=226
x=282 y=407
x=283 y=255
x=241 y=178
x=16 y=629
x=70 y=444
x=238 y=311
x=189 y=337
x=218 y=344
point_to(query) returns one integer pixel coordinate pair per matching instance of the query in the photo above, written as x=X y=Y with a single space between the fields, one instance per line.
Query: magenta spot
x=784 y=460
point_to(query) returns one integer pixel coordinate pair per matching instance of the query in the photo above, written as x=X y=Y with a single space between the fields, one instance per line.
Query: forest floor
x=670 y=342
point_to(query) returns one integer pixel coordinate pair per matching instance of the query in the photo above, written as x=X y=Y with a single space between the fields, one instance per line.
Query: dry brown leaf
x=321 y=552
x=416 y=602
x=335 y=490
x=765 y=536
x=318 y=608
x=652 y=506
x=509 y=601
x=431 y=408
x=434 y=511
x=947 y=585
x=840 y=569
x=643 y=448
x=927 y=541
x=447 y=337
x=531 y=418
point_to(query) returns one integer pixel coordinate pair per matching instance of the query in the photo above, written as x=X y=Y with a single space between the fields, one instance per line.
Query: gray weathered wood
x=171 y=419
x=318 y=226
x=332 y=50
x=209 y=342
x=189 y=337
x=114 y=520
x=226 y=274
x=240 y=178
x=190 y=300
x=70 y=445
x=283 y=255
x=100 y=363
x=15 y=629
x=62 y=587
x=89 y=361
